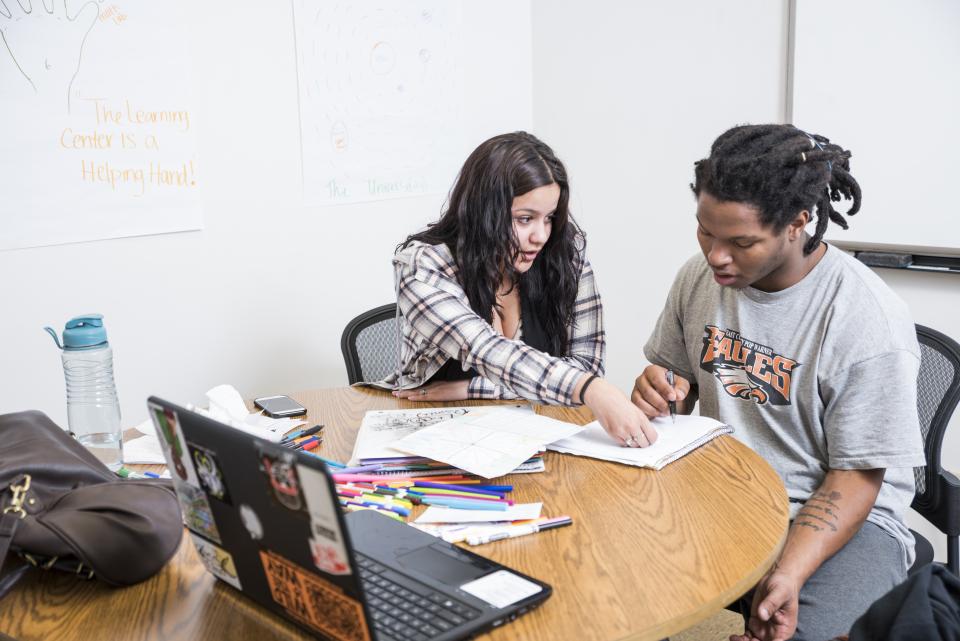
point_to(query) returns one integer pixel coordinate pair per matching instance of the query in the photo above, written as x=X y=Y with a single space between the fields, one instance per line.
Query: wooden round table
x=648 y=555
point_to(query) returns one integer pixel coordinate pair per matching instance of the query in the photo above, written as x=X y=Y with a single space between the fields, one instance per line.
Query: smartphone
x=279 y=406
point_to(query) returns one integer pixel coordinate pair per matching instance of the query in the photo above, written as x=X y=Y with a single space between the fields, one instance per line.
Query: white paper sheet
x=458 y=532
x=529 y=424
x=480 y=451
x=381 y=428
x=98 y=136
x=488 y=445
x=673 y=441
x=379 y=81
x=144 y=449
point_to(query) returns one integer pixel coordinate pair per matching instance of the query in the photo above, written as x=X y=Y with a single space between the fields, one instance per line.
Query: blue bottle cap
x=84 y=331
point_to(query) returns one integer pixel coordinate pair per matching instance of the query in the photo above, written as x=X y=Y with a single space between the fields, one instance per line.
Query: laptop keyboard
x=403 y=609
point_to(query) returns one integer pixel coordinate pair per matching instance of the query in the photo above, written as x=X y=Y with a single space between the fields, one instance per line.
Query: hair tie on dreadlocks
x=817 y=145
x=757 y=165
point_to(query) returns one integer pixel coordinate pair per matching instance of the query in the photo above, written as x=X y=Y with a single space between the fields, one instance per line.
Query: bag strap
x=8 y=526
x=9 y=520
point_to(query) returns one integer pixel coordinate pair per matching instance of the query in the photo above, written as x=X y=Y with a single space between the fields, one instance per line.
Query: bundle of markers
x=396 y=497
x=304 y=440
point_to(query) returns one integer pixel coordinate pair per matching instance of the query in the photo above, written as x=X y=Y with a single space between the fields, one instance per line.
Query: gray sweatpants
x=842 y=589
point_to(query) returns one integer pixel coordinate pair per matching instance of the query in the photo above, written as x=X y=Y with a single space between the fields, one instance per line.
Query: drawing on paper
x=379 y=97
x=46 y=45
x=409 y=420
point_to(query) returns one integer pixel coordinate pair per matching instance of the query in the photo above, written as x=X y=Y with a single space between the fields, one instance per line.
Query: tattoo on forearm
x=822 y=508
x=816 y=518
x=829 y=499
x=825 y=510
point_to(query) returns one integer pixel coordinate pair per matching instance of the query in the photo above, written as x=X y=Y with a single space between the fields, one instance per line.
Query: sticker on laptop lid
x=217 y=560
x=281 y=473
x=326 y=545
x=313 y=600
x=207 y=467
x=251 y=522
x=196 y=511
x=501 y=588
x=167 y=424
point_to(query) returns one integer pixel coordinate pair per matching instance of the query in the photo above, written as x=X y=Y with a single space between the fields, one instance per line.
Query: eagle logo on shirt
x=747 y=369
x=736 y=382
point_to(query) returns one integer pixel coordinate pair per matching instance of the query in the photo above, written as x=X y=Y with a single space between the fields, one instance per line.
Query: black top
x=533 y=335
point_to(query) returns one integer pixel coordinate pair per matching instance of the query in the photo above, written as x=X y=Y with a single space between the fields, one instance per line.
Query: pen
x=299 y=433
x=308 y=443
x=331 y=464
x=672 y=404
x=513 y=531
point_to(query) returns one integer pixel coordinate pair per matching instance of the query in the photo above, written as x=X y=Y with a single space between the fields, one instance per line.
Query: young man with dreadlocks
x=811 y=358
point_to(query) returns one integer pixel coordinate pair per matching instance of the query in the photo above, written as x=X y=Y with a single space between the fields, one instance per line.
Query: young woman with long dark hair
x=497 y=299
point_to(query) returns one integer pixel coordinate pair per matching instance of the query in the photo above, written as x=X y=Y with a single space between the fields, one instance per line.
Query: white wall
x=934 y=300
x=260 y=297
x=629 y=95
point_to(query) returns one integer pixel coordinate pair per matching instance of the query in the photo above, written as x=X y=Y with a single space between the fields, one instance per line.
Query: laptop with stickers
x=267 y=521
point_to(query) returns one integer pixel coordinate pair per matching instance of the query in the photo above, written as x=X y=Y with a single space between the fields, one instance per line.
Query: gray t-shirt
x=819 y=376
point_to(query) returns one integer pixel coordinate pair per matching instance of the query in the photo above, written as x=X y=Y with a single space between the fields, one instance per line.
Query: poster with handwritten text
x=380 y=98
x=97 y=135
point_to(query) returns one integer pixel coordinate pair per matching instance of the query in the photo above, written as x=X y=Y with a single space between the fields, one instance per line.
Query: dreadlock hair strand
x=780 y=170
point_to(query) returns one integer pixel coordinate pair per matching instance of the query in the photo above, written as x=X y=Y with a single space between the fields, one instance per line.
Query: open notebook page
x=673 y=441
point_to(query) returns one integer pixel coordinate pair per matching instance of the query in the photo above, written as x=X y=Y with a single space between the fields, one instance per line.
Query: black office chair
x=369 y=344
x=938 y=491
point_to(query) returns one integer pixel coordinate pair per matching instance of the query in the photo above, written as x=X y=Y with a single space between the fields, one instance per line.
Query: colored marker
x=329 y=463
x=463 y=503
x=297 y=434
x=449 y=486
x=392 y=515
x=513 y=531
x=360 y=469
x=311 y=445
x=305 y=442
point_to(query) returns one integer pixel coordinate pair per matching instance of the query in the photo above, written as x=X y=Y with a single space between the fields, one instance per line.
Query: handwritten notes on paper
x=97 y=134
x=121 y=126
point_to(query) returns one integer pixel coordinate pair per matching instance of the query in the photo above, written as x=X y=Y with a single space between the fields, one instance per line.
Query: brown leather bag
x=63 y=509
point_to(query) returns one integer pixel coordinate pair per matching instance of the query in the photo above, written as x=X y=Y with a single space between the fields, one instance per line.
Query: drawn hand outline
x=46 y=43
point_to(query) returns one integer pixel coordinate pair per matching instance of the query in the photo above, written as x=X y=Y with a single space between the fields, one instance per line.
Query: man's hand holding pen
x=654 y=394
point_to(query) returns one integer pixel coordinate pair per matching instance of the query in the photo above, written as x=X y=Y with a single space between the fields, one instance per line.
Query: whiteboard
x=882 y=79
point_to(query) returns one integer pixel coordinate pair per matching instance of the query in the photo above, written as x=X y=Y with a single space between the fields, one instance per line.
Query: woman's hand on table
x=435 y=392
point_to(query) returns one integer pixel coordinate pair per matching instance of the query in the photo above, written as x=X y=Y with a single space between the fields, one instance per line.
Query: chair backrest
x=369 y=344
x=938 y=392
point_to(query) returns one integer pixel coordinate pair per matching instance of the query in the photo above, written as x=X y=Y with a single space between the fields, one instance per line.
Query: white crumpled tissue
x=226 y=405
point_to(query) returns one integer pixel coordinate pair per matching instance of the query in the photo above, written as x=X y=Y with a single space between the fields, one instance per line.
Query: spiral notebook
x=674 y=440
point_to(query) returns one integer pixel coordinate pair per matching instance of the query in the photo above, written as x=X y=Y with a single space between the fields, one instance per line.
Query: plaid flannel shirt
x=437 y=324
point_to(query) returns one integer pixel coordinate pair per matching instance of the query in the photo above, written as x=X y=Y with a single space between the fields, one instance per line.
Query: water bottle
x=93 y=411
